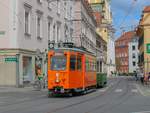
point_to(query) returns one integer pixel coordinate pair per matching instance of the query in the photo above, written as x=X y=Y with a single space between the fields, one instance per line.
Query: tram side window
x=79 y=63
x=72 y=63
x=95 y=66
x=87 y=65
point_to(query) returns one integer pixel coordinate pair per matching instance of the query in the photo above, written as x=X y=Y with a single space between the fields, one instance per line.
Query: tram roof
x=75 y=49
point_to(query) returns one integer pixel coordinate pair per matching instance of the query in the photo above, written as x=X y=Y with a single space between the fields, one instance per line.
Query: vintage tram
x=71 y=70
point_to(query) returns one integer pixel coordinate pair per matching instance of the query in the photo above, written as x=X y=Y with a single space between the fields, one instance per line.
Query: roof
x=127 y=35
x=146 y=9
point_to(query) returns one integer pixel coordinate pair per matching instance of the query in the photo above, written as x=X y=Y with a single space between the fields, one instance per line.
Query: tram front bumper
x=59 y=90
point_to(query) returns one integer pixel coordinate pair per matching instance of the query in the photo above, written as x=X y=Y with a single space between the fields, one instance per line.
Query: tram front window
x=58 y=63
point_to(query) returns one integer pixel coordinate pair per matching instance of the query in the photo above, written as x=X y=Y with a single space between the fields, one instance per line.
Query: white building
x=25 y=27
x=84 y=26
x=111 y=63
x=133 y=54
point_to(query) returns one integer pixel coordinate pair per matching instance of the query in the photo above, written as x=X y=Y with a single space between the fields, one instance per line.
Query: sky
x=126 y=14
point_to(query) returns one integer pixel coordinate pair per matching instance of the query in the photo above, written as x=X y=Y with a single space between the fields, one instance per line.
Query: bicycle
x=39 y=83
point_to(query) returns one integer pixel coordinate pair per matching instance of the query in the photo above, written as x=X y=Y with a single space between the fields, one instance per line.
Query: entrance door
x=27 y=69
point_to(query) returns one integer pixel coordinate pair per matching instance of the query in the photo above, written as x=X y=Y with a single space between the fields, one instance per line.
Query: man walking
x=135 y=74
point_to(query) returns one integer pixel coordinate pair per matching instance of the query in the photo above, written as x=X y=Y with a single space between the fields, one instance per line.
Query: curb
x=11 y=89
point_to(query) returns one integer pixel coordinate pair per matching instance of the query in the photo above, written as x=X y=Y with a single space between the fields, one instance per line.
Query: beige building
x=143 y=32
x=105 y=30
x=103 y=6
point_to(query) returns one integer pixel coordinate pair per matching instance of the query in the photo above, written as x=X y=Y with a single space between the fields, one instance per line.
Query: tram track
x=123 y=97
x=87 y=100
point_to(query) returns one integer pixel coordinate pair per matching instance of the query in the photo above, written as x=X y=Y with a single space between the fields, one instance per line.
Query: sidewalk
x=13 y=89
x=144 y=89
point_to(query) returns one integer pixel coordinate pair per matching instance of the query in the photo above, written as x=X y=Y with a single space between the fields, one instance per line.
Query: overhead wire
x=128 y=13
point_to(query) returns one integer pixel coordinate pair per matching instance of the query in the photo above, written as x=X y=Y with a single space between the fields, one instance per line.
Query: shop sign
x=11 y=59
x=148 y=48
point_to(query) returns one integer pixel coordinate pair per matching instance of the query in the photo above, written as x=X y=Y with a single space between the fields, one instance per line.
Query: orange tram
x=71 y=70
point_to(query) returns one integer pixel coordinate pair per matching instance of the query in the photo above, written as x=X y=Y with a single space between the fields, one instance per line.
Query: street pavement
x=122 y=95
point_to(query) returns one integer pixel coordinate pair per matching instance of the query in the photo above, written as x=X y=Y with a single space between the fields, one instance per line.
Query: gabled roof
x=127 y=35
x=146 y=9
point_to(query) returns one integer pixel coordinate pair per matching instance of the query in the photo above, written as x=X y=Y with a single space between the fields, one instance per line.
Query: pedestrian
x=149 y=76
x=135 y=74
x=142 y=77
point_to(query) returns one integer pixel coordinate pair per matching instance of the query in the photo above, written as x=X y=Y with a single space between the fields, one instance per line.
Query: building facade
x=143 y=32
x=133 y=54
x=26 y=27
x=84 y=34
x=122 y=52
x=103 y=7
x=103 y=15
x=101 y=54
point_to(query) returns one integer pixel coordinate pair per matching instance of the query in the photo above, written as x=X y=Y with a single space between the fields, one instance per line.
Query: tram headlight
x=57 y=78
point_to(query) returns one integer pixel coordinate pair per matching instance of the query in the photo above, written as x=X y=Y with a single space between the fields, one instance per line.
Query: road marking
x=140 y=90
x=134 y=91
x=102 y=90
x=4 y=97
x=2 y=102
x=23 y=99
x=106 y=88
x=111 y=84
x=118 y=90
x=142 y=112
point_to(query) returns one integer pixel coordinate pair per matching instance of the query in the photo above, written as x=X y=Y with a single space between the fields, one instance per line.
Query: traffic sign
x=148 y=48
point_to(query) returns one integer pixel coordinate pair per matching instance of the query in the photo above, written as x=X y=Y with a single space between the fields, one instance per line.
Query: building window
x=39 y=25
x=27 y=19
x=133 y=47
x=65 y=9
x=54 y=32
x=40 y=1
x=58 y=7
x=27 y=22
x=49 y=5
x=58 y=31
x=133 y=55
x=49 y=30
x=134 y=63
x=71 y=33
x=66 y=33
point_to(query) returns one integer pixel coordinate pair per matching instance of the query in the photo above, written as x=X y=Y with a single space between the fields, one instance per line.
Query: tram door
x=76 y=75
